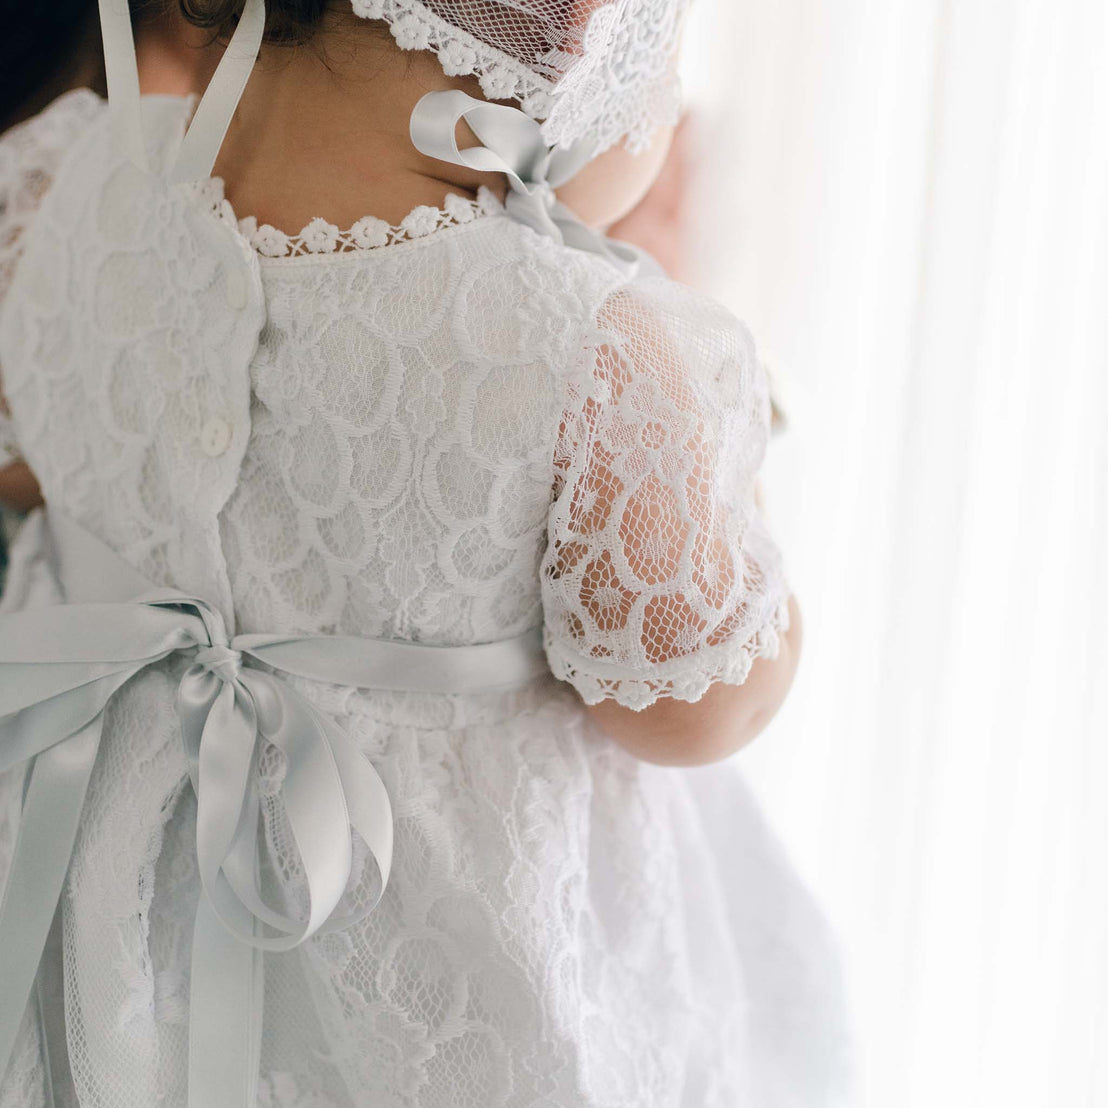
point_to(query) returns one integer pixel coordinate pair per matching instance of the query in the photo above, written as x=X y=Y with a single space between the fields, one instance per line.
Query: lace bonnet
x=591 y=70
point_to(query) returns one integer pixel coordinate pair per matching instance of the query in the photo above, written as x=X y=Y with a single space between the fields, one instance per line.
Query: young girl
x=407 y=536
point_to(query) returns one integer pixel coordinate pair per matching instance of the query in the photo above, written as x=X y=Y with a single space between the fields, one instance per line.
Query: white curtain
x=908 y=202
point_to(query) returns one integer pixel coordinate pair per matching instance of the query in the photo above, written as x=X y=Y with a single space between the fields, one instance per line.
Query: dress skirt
x=564 y=927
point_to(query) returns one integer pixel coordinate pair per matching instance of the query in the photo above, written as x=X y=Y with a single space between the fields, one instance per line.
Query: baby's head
x=290 y=22
x=589 y=71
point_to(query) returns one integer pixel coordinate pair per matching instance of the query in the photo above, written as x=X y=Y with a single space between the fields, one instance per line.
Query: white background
x=908 y=202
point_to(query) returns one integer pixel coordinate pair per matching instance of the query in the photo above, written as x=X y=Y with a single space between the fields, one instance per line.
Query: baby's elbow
x=680 y=733
x=716 y=732
x=724 y=720
x=19 y=488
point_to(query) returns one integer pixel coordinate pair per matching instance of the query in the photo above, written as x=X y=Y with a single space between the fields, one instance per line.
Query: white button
x=215 y=437
x=236 y=289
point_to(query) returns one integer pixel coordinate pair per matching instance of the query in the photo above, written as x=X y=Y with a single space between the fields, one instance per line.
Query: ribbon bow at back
x=59 y=667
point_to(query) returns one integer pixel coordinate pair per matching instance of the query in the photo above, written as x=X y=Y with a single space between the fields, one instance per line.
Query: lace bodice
x=448 y=438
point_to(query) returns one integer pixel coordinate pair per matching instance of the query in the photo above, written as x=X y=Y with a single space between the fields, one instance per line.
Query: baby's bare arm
x=18 y=487
x=727 y=717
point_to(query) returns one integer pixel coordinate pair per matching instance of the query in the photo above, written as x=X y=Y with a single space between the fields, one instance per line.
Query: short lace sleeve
x=30 y=154
x=659 y=576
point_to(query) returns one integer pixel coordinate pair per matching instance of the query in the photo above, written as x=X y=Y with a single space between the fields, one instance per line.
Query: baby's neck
x=322 y=130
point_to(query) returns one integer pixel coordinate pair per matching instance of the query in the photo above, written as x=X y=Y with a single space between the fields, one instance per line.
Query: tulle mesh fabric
x=448 y=439
x=591 y=70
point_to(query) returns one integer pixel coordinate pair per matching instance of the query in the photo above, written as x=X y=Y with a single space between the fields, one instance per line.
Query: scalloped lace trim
x=369 y=233
x=685 y=678
x=460 y=54
x=594 y=98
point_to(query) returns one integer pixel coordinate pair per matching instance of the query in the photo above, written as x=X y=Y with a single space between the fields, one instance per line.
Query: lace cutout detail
x=660 y=577
x=369 y=233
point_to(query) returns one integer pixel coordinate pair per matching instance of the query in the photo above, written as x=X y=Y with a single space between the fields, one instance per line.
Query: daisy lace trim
x=368 y=233
x=415 y=27
x=683 y=678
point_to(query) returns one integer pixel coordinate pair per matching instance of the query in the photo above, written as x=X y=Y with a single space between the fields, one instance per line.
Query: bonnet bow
x=513 y=145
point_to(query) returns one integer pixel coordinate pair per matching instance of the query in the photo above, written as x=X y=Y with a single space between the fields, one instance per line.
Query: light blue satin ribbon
x=201 y=142
x=514 y=146
x=59 y=668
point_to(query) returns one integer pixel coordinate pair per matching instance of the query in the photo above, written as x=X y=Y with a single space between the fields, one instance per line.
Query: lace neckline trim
x=320 y=237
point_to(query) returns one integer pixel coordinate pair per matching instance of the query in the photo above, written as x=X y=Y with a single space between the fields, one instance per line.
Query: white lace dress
x=446 y=432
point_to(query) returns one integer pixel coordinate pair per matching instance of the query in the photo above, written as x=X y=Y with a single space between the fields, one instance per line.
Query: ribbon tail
x=226 y=1002
x=315 y=799
x=51 y=1017
x=638 y=262
x=370 y=815
x=44 y=845
x=635 y=261
x=516 y=139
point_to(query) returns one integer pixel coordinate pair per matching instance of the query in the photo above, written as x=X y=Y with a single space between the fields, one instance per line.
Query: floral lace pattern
x=448 y=442
x=30 y=154
x=368 y=233
x=611 y=76
x=417 y=26
x=660 y=577
x=625 y=83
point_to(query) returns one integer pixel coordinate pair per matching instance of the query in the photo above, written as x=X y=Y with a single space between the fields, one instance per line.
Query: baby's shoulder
x=642 y=326
x=637 y=313
x=538 y=269
x=43 y=140
x=31 y=154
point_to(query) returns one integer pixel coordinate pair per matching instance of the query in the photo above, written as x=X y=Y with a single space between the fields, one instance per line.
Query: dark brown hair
x=42 y=50
x=286 y=21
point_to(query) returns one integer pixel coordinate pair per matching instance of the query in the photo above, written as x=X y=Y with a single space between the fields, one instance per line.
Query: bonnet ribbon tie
x=514 y=146
x=60 y=666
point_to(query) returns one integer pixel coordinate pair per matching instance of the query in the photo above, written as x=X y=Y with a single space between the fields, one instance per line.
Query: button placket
x=215 y=436
x=234 y=288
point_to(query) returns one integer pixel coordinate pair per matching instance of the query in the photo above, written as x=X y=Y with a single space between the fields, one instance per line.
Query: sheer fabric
x=660 y=577
x=591 y=70
x=445 y=439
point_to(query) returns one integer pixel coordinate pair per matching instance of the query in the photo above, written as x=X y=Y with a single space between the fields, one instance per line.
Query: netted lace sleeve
x=659 y=577
x=30 y=154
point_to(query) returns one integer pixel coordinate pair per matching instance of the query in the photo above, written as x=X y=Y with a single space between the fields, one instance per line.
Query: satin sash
x=60 y=666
